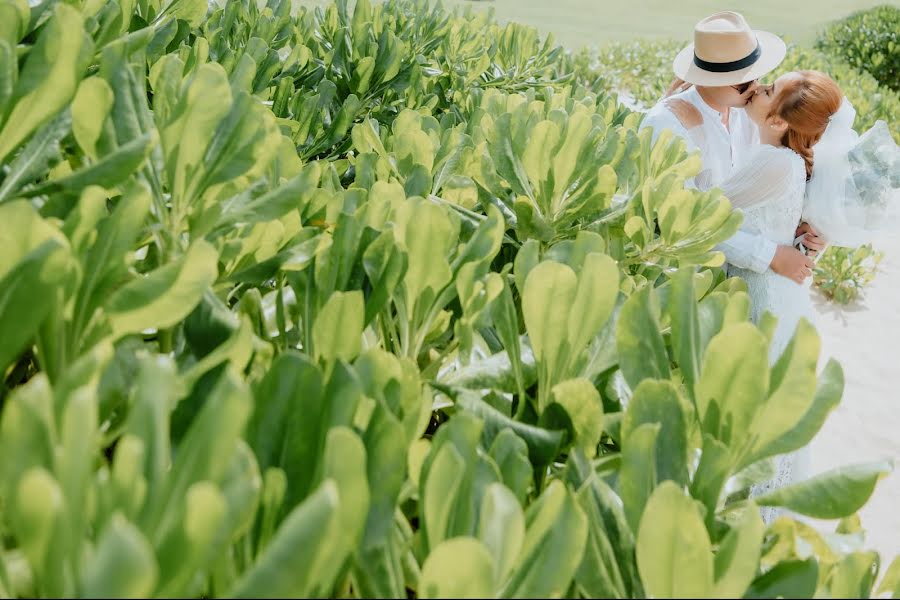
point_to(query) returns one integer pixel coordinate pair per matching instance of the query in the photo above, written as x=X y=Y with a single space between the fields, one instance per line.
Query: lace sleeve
x=765 y=177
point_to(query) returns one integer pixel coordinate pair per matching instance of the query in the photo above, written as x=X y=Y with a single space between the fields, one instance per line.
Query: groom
x=716 y=75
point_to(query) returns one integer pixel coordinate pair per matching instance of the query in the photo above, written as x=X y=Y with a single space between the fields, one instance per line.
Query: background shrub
x=870 y=40
x=639 y=70
x=872 y=101
x=843 y=273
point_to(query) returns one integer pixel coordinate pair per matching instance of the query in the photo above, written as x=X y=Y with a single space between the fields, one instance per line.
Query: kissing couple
x=779 y=152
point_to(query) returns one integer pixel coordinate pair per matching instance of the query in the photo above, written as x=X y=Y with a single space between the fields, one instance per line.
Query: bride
x=769 y=188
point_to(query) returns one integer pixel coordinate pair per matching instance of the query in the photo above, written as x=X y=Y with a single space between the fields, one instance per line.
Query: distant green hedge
x=871 y=100
x=642 y=70
x=869 y=40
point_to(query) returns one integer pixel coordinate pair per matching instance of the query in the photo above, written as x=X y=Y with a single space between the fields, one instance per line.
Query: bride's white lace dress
x=769 y=189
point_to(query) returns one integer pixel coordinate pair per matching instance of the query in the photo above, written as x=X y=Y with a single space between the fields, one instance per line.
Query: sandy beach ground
x=865 y=338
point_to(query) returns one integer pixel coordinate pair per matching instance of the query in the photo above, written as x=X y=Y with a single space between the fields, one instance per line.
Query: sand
x=864 y=337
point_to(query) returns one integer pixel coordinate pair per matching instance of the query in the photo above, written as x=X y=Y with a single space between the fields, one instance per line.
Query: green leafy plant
x=638 y=71
x=842 y=274
x=867 y=40
x=377 y=304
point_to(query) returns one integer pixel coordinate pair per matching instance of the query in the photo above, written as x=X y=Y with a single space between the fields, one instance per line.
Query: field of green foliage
x=577 y=23
x=386 y=301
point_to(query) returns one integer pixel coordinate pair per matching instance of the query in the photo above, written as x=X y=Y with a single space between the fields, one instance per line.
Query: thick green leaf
x=737 y=559
x=682 y=311
x=506 y=321
x=501 y=528
x=496 y=372
x=458 y=568
x=287 y=428
x=787 y=579
x=242 y=489
x=582 y=403
x=854 y=575
x=427 y=236
x=48 y=79
x=735 y=376
x=106 y=260
x=659 y=402
x=39 y=522
x=204 y=455
x=386 y=448
x=337 y=332
x=27 y=294
x=674 y=554
x=711 y=474
x=510 y=453
x=890 y=583
x=556 y=531
x=385 y=264
x=441 y=490
x=609 y=554
x=642 y=352
x=109 y=171
x=293 y=563
x=123 y=564
x=345 y=464
x=165 y=296
x=291 y=195
x=637 y=475
x=832 y=495
x=548 y=296
x=543 y=444
x=793 y=385
x=90 y=107
x=33 y=160
x=595 y=297
x=188 y=126
x=828 y=396
x=599 y=575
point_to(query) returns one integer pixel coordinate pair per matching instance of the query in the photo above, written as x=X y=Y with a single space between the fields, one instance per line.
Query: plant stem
x=164 y=337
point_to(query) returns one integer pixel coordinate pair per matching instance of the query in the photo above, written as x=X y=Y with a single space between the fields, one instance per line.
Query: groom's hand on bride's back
x=791 y=263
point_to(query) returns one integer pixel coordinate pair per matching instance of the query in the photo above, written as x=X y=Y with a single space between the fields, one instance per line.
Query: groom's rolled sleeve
x=747 y=250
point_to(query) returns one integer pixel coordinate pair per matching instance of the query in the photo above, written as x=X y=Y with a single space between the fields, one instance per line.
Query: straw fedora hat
x=727 y=52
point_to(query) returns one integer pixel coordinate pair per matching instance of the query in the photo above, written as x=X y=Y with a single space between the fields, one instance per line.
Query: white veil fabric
x=854 y=192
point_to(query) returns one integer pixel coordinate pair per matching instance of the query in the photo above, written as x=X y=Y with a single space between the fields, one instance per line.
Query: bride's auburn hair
x=806 y=103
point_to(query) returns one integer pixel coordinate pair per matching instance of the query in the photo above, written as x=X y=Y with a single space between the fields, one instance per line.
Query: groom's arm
x=747 y=250
x=659 y=118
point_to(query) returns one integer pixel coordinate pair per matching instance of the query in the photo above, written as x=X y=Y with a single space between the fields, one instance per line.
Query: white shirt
x=721 y=150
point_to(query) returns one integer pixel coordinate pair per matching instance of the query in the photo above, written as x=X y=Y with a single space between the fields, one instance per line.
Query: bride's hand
x=790 y=262
x=686 y=113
